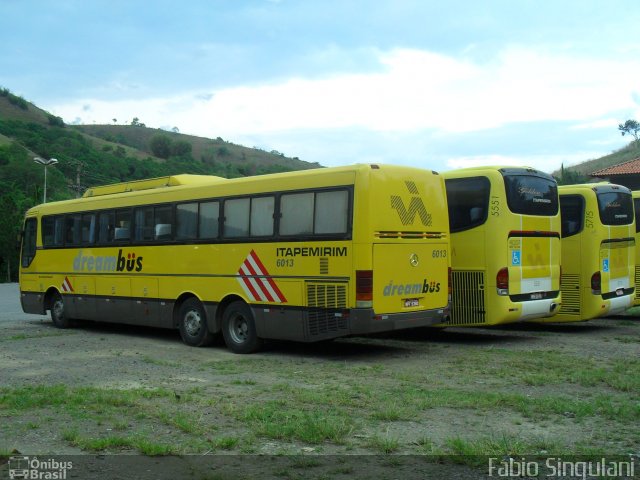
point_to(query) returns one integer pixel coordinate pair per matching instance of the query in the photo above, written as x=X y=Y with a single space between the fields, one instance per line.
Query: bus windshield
x=531 y=195
x=616 y=208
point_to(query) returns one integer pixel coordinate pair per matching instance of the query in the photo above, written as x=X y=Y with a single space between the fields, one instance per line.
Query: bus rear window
x=531 y=195
x=616 y=208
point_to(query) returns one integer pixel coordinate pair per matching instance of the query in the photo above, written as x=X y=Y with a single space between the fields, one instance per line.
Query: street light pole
x=46 y=163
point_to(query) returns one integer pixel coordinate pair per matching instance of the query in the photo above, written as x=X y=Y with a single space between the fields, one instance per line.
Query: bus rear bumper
x=364 y=321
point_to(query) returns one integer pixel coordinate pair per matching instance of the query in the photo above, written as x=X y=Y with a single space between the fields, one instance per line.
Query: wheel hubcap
x=239 y=329
x=192 y=323
x=58 y=309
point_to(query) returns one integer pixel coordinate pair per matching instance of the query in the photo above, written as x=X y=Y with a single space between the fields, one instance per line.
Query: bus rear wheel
x=239 y=329
x=193 y=324
x=58 y=315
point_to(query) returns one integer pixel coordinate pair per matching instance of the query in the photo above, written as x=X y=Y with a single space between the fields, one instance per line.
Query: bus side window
x=332 y=210
x=48 y=231
x=144 y=226
x=88 y=229
x=636 y=208
x=236 y=217
x=262 y=210
x=572 y=214
x=29 y=242
x=163 y=228
x=209 y=219
x=122 y=231
x=296 y=210
x=187 y=221
x=58 y=239
x=106 y=227
x=468 y=200
x=73 y=229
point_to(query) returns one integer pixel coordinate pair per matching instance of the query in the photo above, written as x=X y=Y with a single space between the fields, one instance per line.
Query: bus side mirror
x=19 y=240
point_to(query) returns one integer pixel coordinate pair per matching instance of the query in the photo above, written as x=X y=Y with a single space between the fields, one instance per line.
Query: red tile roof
x=627 y=168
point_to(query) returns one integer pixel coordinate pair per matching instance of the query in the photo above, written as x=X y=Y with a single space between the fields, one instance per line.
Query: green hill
x=580 y=173
x=91 y=155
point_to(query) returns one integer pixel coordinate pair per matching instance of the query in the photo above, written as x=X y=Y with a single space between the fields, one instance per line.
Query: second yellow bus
x=505 y=242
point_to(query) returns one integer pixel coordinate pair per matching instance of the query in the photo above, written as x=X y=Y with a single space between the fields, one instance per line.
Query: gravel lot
x=99 y=356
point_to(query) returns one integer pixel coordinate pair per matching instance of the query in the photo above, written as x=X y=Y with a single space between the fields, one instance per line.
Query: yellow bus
x=598 y=250
x=505 y=241
x=636 y=208
x=305 y=256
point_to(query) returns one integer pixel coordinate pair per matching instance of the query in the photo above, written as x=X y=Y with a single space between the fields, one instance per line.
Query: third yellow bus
x=598 y=250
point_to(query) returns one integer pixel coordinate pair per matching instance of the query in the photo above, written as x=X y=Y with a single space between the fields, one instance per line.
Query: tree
x=181 y=148
x=631 y=127
x=160 y=146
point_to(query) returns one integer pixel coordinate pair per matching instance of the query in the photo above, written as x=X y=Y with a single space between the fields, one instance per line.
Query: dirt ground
x=34 y=353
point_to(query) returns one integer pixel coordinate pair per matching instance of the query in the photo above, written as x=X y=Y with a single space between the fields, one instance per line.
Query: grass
x=26 y=336
x=276 y=419
x=276 y=404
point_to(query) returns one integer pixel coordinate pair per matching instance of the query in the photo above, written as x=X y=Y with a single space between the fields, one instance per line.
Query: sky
x=431 y=84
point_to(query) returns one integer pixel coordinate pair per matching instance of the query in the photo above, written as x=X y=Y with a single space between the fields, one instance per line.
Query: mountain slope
x=584 y=169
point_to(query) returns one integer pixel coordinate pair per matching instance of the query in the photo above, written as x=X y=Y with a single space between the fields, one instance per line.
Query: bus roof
x=159 y=182
x=598 y=187
x=185 y=181
x=504 y=169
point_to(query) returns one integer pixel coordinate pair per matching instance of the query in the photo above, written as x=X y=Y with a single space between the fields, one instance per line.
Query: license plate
x=536 y=296
x=411 y=302
x=619 y=292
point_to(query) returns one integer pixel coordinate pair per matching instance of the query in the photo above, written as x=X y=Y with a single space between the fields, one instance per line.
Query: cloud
x=412 y=91
x=545 y=163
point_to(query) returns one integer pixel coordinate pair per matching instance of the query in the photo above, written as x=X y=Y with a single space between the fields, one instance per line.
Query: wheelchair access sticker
x=605 y=264
x=515 y=258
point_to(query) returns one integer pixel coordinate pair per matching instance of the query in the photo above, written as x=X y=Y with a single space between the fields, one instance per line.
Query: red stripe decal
x=269 y=279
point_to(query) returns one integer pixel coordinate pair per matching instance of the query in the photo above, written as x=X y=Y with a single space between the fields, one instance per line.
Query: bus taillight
x=596 y=283
x=502 y=281
x=364 y=288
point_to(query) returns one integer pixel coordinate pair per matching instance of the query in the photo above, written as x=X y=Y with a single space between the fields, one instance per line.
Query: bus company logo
x=529 y=191
x=416 y=206
x=613 y=204
x=426 y=286
x=535 y=194
x=128 y=262
x=256 y=282
x=34 y=468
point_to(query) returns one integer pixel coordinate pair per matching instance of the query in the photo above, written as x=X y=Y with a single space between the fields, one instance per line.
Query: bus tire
x=193 y=324
x=239 y=329
x=58 y=315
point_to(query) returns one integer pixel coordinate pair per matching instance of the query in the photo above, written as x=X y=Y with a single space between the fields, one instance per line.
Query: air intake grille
x=409 y=235
x=467 y=298
x=638 y=282
x=570 y=295
x=326 y=301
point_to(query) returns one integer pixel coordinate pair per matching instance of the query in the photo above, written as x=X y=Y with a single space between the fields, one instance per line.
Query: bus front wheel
x=58 y=316
x=239 y=329
x=193 y=324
